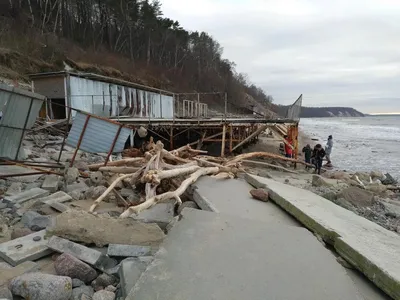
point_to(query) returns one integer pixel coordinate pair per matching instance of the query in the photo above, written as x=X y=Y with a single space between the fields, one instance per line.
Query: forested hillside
x=321 y=112
x=125 y=38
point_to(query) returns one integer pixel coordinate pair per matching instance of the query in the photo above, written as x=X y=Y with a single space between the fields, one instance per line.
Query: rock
x=98 y=191
x=357 y=197
x=103 y=295
x=339 y=175
x=377 y=175
x=364 y=177
x=319 y=181
x=77 y=282
x=96 y=177
x=111 y=288
x=68 y=265
x=76 y=195
x=331 y=196
x=389 y=180
x=189 y=204
x=84 y=289
x=20 y=232
x=161 y=213
x=260 y=194
x=38 y=286
x=71 y=175
x=127 y=192
x=35 y=221
x=51 y=183
x=101 y=230
x=376 y=188
x=103 y=281
x=128 y=250
x=80 y=186
x=5 y=293
x=287 y=181
x=81 y=165
x=15 y=188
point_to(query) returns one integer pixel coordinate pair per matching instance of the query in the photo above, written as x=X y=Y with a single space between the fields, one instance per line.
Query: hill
x=321 y=112
x=128 y=39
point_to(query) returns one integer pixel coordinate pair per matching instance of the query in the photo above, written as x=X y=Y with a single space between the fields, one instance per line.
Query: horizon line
x=390 y=113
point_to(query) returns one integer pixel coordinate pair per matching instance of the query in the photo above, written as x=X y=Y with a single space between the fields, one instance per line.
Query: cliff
x=322 y=112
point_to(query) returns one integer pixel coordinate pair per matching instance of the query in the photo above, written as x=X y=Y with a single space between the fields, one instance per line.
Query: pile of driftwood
x=165 y=175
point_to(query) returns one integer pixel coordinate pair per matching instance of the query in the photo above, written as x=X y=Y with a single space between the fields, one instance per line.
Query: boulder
x=389 y=180
x=260 y=194
x=377 y=175
x=103 y=281
x=103 y=295
x=35 y=221
x=20 y=232
x=5 y=293
x=84 y=289
x=357 y=197
x=68 y=265
x=71 y=175
x=38 y=286
x=96 y=177
x=319 y=181
x=77 y=282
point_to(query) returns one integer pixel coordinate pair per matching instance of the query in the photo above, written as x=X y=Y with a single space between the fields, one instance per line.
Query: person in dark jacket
x=307 y=154
x=318 y=156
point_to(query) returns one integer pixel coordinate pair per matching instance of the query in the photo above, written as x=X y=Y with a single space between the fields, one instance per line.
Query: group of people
x=316 y=156
x=312 y=156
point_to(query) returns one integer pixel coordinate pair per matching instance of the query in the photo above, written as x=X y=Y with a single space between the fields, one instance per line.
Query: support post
x=65 y=134
x=173 y=108
x=24 y=129
x=226 y=105
x=171 y=138
x=113 y=145
x=160 y=105
x=230 y=138
x=223 y=141
x=254 y=134
x=198 y=108
x=80 y=140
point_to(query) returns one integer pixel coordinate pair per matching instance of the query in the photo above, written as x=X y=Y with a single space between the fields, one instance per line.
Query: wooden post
x=254 y=134
x=113 y=145
x=223 y=141
x=230 y=139
x=171 y=138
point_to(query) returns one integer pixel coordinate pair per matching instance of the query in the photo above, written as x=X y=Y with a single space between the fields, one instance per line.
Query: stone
x=130 y=272
x=279 y=271
x=38 y=286
x=3 y=205
x=370 y=248
x=59 y=206
x=77 y=187
x=76 y=195
x=376 y=188
x=161 y=213
x=96 y=177
x=357 y=197
x=92 y=257
x=27 y=195
x=389 y=180
x=103 y=281
x=318 y=181
x=6 y=274
x=103 y=295
x=101 y=230
x=98 y=191
x=392 y=210
x=24 y=249
x=189 y=204
x=20 y=232
x=7 y=170
x=71 y=175
x=81 y=165
x=68 y=265
x=14 y=188
x=77 y=282
x=5 y=293
x=377 y=175
x=35 y=221
x=127 y=192
x=259 y=194
x=111 y=288
x=84 y=289
x=51 y=183
x=128 y=250
x=59 y=197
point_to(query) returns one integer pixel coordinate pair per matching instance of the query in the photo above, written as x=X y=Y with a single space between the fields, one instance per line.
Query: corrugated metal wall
x=94 y=142
x=107 y=99
x=15 y=113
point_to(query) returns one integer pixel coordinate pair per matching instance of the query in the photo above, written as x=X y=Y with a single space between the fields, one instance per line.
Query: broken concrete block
x=128 y=250
x=90 y=256
x=27 y=195
x=51 y=183
x=102 y=230
x=25 y=248
x=38 y=286
x=161 y=213
x=59 y=197
x=7 y=274
x=59 y=207
x=77 y=187
x=130 y=271
x=188 y=204
x=35 y=221
x=15 y=188
x=68 y=265
x=71 y=175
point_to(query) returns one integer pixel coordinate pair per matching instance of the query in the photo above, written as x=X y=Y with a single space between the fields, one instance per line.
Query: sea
x=360 y=144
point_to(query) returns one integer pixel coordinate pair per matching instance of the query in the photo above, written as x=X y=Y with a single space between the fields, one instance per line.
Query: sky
x=335 y=53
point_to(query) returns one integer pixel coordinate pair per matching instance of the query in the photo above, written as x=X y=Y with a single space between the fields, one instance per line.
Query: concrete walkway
x=369 y=247
x=217 y=256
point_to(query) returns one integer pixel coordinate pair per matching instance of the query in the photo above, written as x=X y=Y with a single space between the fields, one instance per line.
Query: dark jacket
x=319 y=155
x=307 y=152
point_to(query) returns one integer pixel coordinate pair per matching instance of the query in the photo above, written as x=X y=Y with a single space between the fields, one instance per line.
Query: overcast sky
x=337 y=53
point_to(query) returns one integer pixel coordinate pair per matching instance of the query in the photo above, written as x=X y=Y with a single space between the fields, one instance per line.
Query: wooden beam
x=264 y=164
x=230 y=138
x=223 y=141
x=254 y=134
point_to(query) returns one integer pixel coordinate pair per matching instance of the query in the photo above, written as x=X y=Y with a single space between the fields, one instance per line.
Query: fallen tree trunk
x=121 y=162
x=121 y=170
x=264 y=164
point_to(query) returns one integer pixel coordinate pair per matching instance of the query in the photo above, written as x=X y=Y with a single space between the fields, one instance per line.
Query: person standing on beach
x=318 y=156
x=307 y=154
x=328 y=150
x=288 y=148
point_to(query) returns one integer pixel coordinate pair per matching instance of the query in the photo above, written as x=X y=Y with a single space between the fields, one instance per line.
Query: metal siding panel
x=167 y=107
x=94 y=142
x=51 y=87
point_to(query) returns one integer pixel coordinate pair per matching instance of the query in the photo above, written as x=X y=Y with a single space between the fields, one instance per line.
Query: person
x=307 y=154
x=328 y=150
x=288 y=149
x=318 y=156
